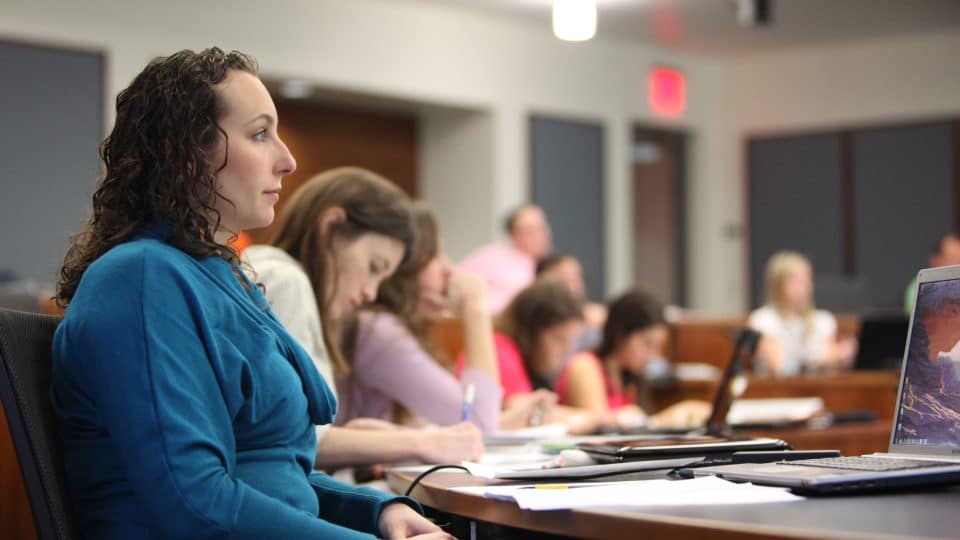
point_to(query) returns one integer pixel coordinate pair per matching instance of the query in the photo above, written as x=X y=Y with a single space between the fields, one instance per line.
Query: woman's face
x=249 y=184
x=434 y=282
x=798 y=288
x=361 y=266
x=640 y=346
x=555 y=345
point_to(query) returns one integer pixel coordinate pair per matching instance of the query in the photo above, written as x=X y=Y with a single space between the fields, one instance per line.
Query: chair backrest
x=25 y=381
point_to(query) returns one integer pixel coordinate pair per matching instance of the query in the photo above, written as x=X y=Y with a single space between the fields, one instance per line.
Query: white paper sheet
x=699 y=491
x=770 y=410
x=523 y=435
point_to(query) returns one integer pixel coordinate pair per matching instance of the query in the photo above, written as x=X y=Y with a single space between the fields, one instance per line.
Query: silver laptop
x=925 y=439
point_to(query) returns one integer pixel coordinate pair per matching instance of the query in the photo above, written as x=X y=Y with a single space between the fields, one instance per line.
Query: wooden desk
x=709 y=340
x=906 y=515
x=850 y=439
x=854 y=390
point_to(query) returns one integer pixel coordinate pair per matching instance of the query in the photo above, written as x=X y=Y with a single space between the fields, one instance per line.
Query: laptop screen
x=929 y=402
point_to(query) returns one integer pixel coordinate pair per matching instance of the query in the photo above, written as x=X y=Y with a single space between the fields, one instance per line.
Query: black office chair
x=25 y=379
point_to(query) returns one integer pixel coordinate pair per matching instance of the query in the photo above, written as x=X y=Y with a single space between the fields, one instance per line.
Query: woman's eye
x=260 y=135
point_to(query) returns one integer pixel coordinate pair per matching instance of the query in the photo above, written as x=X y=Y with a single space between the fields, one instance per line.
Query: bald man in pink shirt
x=508 y=269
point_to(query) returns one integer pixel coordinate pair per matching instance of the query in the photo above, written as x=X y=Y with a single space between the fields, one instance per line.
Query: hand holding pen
x=468 y=397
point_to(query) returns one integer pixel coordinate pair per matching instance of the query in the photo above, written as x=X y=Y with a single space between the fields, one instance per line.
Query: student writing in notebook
x=535 y=334
x=395 y=373
x=340 y=236
x=606 y=381
x=186 y=410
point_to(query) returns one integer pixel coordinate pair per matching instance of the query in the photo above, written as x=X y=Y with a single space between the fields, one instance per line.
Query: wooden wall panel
x=322 y=137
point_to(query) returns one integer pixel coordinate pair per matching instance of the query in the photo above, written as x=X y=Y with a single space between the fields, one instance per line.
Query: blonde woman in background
x=796 y=336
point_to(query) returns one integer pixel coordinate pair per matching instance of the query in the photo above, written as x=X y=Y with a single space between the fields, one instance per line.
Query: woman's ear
x=331 y=217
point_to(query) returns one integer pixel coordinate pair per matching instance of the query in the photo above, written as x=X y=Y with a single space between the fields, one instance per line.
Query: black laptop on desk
x=714 y=441
x=925 y=437
x=881 y=340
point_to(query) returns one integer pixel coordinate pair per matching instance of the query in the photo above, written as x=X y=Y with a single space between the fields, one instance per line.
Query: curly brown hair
x=157 y=162
x=546 y=303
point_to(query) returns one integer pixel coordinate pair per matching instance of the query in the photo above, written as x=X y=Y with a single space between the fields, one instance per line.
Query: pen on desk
x=468 y=395
x=536 y=418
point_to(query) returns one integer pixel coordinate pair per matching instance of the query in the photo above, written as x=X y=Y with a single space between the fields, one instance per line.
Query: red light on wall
x=667 y=91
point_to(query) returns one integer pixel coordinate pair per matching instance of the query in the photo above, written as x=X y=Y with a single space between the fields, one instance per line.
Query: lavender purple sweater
x=389 y=366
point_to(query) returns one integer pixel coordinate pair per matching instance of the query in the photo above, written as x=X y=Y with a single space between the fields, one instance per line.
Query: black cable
x=433 y=469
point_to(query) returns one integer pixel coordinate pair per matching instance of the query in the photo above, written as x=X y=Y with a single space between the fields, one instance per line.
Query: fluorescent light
x=574 y=20
x=296 y=89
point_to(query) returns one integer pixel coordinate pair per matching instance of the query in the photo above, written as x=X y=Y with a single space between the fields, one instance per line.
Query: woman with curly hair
x=532 y=337
x=186 y=410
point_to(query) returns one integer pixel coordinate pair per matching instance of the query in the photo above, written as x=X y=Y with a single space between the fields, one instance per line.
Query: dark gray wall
x=567 y=171
x=51 y=103
x=795 y=204
x=904 y=193
x=901 y=182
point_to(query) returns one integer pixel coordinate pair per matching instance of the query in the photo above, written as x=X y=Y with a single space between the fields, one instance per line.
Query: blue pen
x=468 y=396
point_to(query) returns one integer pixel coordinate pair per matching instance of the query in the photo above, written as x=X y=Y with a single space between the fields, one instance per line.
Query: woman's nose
x=370 y=292
x=286 y=164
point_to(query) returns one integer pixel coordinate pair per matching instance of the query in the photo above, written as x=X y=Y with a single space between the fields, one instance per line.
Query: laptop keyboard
x=865 y=463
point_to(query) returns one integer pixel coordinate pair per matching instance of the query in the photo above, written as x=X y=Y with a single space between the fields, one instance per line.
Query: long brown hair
x=400 y=293
x=372 y=204
x=548 y=302
x=157 y=162
x=636 y=309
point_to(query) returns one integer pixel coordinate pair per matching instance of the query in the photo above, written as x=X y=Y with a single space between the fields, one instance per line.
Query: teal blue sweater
x=187 y=411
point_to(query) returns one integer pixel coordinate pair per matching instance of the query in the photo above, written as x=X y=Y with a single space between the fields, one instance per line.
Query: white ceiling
x=710 y=26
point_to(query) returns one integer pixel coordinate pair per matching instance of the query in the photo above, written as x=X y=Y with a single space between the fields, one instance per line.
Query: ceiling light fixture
x=574 y=20
x=296 y=89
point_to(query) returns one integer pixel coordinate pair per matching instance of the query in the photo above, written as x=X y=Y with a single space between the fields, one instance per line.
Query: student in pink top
x=508 y=269
x=535 y=333
x=394 y=371
x=606 y=381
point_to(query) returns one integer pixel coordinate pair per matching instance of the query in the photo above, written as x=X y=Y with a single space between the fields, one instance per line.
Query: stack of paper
x=773 y=410
x=699 y=491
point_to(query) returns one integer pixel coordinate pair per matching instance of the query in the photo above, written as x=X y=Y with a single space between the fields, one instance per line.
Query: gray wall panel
x=567 y=168
x=795 y=203
x=51 y=102
x=904 y=192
